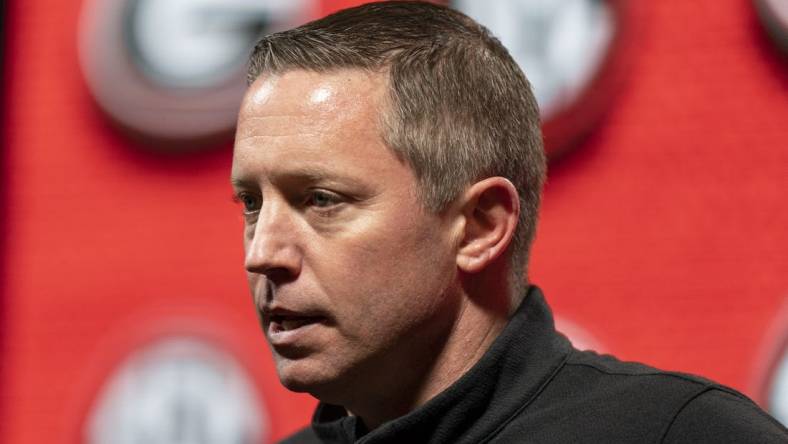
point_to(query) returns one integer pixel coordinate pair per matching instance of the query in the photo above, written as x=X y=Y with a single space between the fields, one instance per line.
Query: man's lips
x=279 y=320
x=280 y=323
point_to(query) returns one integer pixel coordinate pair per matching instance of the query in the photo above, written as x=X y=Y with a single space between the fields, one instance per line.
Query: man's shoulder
x=605 y=378
x=720 y=415
x=598 y=398
x=627 y=375
x=303 y=436
x=623 y=390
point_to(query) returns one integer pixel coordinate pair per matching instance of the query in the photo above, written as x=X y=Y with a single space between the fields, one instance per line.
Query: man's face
x=353 y=279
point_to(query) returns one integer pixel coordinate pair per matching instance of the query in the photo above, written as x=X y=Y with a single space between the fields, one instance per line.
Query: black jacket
x=532 y=386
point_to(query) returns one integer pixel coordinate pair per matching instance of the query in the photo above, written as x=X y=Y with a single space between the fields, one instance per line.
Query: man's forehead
x=300 y=117
x=332 y=93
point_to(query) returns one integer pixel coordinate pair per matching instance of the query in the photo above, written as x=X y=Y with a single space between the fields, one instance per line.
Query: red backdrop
x=663 y=235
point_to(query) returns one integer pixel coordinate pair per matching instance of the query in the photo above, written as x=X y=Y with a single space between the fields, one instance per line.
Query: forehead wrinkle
x=254 y=137
x=283 y=125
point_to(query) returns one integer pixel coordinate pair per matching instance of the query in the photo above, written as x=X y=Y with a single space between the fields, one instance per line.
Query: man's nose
x=274 y=249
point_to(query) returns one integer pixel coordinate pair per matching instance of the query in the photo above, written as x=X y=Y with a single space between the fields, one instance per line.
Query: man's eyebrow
x=299 y=174
x=240 y=183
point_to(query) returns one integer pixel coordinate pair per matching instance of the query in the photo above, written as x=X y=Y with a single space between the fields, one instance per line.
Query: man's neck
x=475 y=329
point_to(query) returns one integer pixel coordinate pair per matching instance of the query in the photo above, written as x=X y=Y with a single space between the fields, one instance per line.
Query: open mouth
x=283 y=323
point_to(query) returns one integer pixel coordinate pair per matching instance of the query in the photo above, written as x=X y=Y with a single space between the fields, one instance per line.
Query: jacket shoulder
x=598 y=398
x=303 y=436
x=613 y=373
x=719 y=415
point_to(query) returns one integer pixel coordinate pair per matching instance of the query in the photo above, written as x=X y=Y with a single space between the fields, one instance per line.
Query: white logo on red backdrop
x=574 y=53
x=174 y=71
x=177 y=390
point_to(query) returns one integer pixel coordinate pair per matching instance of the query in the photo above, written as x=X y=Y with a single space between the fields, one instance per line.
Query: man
x=389 y=162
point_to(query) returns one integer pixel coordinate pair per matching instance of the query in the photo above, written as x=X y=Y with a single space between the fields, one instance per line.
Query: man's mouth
x=284 y=323
x=286 y=327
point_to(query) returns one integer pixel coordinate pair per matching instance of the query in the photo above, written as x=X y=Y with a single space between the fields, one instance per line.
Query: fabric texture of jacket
x=532 y=386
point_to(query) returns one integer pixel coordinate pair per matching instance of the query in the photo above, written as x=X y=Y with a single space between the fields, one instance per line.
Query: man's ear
x=491 y=208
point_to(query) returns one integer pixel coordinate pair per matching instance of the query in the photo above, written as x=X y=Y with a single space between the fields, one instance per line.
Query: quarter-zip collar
x=518 y=364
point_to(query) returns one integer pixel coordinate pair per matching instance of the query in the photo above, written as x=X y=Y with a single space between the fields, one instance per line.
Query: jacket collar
x=518 y=364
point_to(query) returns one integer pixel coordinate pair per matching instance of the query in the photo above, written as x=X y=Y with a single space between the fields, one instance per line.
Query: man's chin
x=302 y=376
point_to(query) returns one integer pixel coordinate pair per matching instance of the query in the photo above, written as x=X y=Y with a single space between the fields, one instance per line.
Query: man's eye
x=322 y=199
x=250 y=202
